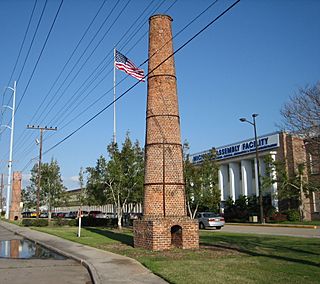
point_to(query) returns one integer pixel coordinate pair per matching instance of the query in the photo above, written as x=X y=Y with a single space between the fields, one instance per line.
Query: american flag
x=125 y=64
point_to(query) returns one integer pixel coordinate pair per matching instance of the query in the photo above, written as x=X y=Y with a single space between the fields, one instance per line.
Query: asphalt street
x=15 y=270
x=276 y=231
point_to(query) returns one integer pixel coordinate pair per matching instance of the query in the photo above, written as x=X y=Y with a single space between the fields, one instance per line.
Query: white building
x=238 y=166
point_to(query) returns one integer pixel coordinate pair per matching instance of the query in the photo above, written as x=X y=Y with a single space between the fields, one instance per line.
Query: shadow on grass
x=255 y=245
x=114 y=235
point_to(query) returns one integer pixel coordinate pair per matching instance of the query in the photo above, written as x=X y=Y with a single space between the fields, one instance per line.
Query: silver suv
x=209 y=219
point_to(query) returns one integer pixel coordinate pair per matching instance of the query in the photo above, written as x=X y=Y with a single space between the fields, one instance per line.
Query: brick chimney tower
x=165 y=223
x=15 y=209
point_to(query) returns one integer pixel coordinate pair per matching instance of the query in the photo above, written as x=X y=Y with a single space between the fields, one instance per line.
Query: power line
x=97 y=100
x=18 y=57
x=102 y=96
x=43 y=47
x=77 y=62
x=70 y=57
x=134 y=85
x=73 y=52
x=43 y=111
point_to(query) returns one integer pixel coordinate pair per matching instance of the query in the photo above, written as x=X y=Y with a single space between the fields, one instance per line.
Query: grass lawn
x=236 y=258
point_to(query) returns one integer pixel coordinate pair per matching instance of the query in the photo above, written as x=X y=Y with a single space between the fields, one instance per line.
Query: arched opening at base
x=176 y=236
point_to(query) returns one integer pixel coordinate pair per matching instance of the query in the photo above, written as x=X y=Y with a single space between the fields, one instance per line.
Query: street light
x=253 y=123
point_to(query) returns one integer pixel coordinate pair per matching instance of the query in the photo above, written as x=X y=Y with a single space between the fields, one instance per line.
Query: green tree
x=120 y=180
x=29 y=198
x=82 y=195
x=201 y=182
x=51 y=186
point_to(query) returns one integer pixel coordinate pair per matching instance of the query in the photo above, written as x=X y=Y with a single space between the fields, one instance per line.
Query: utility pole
x=42 y=129
x=8 y=197
x=1 y=191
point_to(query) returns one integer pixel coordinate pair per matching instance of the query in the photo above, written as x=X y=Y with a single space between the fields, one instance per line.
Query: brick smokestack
x=15 y=209
x=165 y=223
x=164 y=182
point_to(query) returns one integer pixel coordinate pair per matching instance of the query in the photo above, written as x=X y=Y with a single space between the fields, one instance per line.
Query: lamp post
x=253 y=123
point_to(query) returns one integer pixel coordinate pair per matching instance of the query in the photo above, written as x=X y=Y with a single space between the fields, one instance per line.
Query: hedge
x=28 y=222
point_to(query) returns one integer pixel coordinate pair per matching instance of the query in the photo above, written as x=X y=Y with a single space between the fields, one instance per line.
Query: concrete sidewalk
x=103 y=266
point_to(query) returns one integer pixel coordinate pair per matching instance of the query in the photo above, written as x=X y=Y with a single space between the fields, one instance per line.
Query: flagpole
x=114 y=96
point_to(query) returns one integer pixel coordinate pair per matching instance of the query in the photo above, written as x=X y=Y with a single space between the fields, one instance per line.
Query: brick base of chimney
x=166 y=233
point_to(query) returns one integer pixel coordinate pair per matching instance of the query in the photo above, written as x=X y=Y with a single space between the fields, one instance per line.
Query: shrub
x=293 y=215
x=98 y=222
x=278 y=217
x=64 y=222
x=34 y=222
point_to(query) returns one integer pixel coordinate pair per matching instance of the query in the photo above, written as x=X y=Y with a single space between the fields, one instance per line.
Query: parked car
x=43 y=215
x=58 y=214
x=209 y=219
x=85 y=213
x=102 y=215
x=71 y=214
x=26 y=214
x=94 y=213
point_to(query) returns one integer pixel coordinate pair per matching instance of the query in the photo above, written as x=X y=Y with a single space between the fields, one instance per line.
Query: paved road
x=277 y=231
x=26 y=271
x=104 y=266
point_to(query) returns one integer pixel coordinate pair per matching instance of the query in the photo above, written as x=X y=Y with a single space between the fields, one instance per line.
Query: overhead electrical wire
x=118 y=16
x=40 y=55
x=77 y=62
x=69 y=59
x=85 y=51
x=45 y=108
x=74 y=98
x=41 y=52
x=103 y=95
x=62 y=70
x=135 y=84
x=18 y=57
x=132 y=25
x=152 y=55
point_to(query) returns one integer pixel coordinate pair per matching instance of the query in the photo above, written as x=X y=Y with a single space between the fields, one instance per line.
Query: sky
x=249 y=61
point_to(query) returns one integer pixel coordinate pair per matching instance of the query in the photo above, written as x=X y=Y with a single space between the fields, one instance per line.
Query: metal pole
x=8 y=200
x=258 y=170
x=40 y=158
x=114 y=97
x=1 y=191
x=39 y=174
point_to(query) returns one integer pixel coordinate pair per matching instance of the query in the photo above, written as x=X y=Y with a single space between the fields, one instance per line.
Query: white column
x=234 y=174
x=223 y=181
x=246 y=173
x=274 y=187
x=256 y=177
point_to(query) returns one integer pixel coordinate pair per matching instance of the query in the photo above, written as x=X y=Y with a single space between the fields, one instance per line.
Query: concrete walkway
x=103 y=266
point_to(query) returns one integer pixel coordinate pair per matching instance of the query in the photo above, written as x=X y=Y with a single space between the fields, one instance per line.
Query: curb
x=92 y=271
x=276 y=225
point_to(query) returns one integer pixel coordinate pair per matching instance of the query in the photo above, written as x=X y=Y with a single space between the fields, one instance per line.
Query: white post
x=114 y=97
x=79 y=218
x=10 y=154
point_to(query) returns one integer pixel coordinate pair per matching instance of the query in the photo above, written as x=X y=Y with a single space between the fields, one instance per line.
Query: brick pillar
x=15 y=210
x=164 y=199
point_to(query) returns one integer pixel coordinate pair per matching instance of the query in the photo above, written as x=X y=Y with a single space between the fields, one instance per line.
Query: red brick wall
x=292 y=152
x=155 y=234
